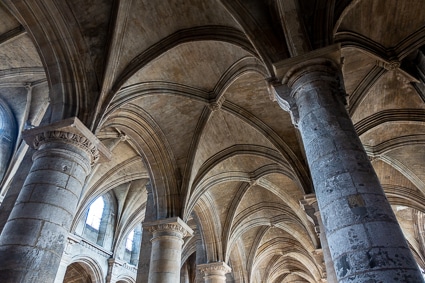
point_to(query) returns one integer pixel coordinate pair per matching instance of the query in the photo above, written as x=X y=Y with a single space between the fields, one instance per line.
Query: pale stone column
x=365 y=240
x=34 y=237
x=214 y=272
x=167 y=241
x=145 y=243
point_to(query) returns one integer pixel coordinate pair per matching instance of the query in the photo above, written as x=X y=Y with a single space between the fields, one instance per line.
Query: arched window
x=129 y=241
x=132 y=245
x=94 y=216
x=98 y=223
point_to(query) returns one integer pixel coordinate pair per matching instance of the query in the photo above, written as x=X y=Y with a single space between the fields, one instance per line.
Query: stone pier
x=365 y=240
x=34 y=237
x=167 y=241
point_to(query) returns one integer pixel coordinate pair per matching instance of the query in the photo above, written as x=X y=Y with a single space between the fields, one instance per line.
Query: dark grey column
x=365 y=240
x=34 y=237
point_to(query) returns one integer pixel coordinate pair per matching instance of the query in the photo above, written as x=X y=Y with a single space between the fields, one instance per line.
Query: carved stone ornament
x=168 y=228
x=170 y=225
x=214 y=268
x=71 y=138
x=71 y=131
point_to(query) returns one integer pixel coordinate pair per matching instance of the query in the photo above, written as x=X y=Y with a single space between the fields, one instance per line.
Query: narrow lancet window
x=95 y=213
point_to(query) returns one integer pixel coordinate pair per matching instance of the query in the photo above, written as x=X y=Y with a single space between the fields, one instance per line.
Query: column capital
x=214 y=268
x=71 y=131
x=294 y=74
x=169 y=226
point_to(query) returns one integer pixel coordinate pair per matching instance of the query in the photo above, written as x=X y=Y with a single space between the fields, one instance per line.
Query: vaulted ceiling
x=180 y=92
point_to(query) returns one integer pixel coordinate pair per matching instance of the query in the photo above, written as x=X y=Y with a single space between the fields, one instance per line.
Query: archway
x=76 y=273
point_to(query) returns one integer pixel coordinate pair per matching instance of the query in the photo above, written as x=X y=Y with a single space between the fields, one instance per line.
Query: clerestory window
x=129 y=241
x=94 y=216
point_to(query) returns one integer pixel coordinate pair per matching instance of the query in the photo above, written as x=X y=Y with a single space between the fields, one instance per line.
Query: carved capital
x=66 y=137
x=70 y=131
x=214 y=268
x=170 y=226
x=298 y=74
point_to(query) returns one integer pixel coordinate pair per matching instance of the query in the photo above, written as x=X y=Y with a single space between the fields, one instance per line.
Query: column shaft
x=34 y=237
x=145 y=243
x=167 y=244
x=365 y=240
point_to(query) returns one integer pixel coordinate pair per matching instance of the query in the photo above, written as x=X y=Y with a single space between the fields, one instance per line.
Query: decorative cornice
x=214 y=268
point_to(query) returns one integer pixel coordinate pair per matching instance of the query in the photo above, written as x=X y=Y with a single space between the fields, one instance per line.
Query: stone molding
x=169 y=225
x=219 y=267
x=71 y=131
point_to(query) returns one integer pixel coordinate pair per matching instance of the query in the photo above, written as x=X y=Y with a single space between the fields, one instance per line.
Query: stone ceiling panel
x=177 y=118
x=385 y=21
x=250 y=92
x=7 y=21
x=196 y=64
x=19 y=53
x=392 y=91
x=150 y=21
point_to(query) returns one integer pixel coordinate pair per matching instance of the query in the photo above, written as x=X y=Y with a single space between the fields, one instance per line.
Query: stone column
x=214 y=272
x=167 y=241
x=145 y=243
x=365 y=240
x=310 y=206
x=34 y=237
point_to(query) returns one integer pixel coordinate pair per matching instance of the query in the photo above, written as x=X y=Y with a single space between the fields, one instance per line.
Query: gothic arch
x=90 y=266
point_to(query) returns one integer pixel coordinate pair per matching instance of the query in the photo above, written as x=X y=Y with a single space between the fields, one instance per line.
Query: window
x=129 y=241
x=95 y=213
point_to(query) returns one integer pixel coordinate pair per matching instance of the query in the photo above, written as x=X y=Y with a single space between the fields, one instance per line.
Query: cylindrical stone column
x=365 y=240
x=167 y=241
x=214 y=272
x=34 y=237
x=330 y=270
x=145 y=244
